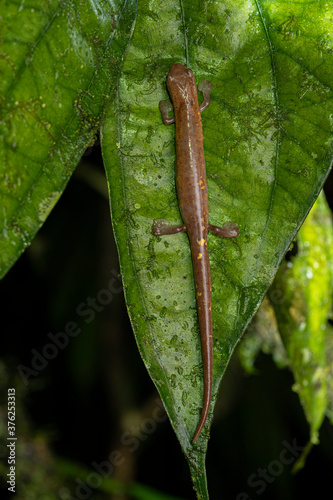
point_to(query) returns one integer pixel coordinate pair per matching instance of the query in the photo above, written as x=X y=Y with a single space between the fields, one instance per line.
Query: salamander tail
x=205 y=408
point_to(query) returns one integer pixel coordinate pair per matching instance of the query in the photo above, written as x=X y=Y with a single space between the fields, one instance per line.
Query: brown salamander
x=193 y=204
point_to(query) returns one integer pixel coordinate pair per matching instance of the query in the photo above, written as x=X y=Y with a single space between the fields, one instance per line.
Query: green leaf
x=298 y=309
x=306 y=285
x=267 y=136
x=329 y=379
x=59 y=62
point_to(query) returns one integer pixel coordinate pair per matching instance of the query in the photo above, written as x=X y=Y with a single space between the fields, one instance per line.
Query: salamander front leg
x=165 y=108
x=162 y=226
x=228 y=230
x=205 y=87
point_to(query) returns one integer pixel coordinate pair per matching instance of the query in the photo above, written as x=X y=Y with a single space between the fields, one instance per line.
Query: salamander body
x=193 y=204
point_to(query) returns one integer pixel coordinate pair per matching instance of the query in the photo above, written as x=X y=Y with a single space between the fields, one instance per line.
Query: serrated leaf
x=306 y=285
x=59 y=62
x=267 y=136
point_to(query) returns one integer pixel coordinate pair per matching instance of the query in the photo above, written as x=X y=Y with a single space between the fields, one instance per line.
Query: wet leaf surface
x=267 y=137
x=59 y=62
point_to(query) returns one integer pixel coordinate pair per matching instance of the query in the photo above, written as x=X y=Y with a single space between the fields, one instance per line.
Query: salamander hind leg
x=161 y=227
x=205 y=87
x=165 y=108
x=228 y=230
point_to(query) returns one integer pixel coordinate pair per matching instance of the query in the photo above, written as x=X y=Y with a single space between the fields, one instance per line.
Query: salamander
x=193 y=204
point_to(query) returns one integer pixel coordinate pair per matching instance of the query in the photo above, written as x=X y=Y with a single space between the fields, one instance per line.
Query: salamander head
x=179 y=77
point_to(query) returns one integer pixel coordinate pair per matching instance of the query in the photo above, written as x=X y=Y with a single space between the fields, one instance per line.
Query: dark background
x=81 y=405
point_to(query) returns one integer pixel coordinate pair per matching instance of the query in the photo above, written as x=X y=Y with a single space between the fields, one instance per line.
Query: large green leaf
x=59 y=62
x=267 y=136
